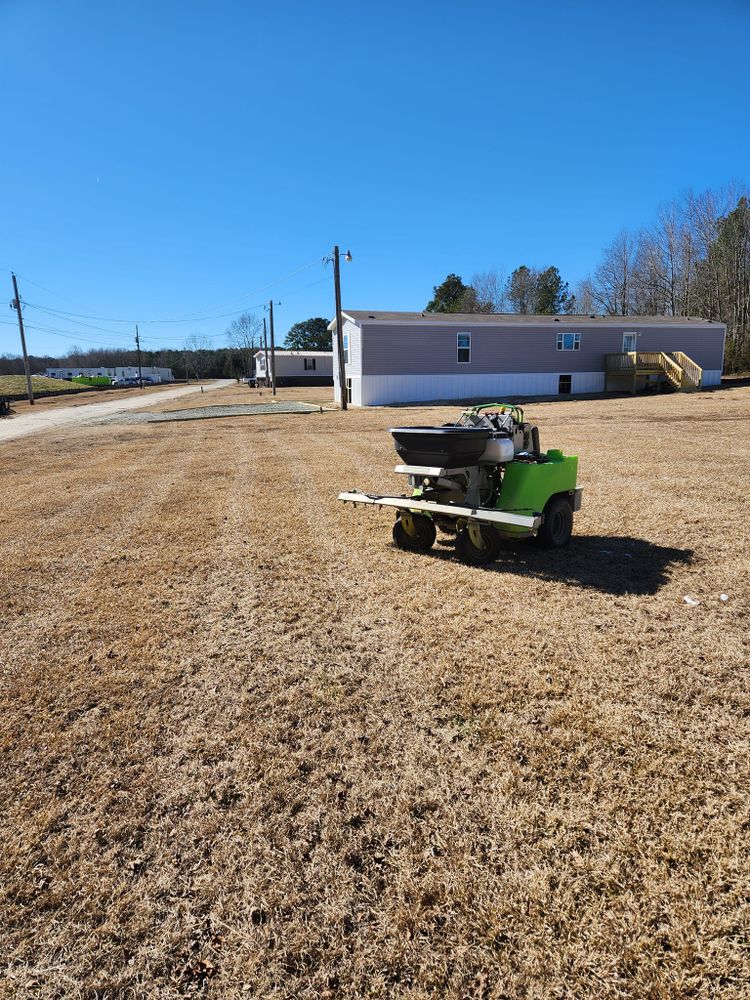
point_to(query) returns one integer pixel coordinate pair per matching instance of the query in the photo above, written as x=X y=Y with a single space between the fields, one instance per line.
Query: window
x=568 y=341
x=309 y=364
x=346 y=348
x=629 y=342
x=463 y=348
x=564 y=388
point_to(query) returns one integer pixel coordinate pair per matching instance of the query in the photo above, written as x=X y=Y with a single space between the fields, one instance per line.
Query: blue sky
x=162 y=159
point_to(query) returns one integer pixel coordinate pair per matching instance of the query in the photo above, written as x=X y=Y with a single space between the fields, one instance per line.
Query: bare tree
x=583 y=296
x=650 y=278
x=489 y=287
x=198 y=348
x=613 y=278
x=244 y=334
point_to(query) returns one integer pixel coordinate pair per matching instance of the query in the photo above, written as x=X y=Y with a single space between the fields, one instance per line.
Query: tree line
x=198 y=363
x=692 y=260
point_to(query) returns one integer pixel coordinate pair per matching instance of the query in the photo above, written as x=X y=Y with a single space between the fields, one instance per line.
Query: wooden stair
x=678 y=370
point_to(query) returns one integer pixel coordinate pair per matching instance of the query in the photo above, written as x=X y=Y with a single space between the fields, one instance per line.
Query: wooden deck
x=674 y=367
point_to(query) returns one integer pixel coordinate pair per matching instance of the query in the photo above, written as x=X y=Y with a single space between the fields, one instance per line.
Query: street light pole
x=16 y=304
x=339 y=328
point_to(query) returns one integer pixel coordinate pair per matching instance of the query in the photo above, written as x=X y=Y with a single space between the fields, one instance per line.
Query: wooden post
x=273 y=350
x=138 y=348
x=265 y=349
x=17 y=306
x=339 y=327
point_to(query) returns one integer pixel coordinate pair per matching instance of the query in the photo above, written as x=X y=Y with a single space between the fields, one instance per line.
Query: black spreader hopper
x=440 y=447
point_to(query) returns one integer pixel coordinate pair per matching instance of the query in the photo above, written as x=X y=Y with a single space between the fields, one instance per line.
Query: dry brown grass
x=320 y=395
x=85 y=396
x=251 y=749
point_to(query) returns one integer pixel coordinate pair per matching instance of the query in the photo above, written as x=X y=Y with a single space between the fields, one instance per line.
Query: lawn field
x=15 y=385
x=250 y=749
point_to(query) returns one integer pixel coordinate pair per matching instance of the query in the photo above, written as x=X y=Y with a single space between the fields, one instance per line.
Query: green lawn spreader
x=483 y=479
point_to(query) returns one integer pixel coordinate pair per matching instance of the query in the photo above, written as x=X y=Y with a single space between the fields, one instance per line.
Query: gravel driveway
x=43 y=420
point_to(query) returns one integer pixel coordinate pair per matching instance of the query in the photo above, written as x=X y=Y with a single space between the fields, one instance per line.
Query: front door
x=629 y=342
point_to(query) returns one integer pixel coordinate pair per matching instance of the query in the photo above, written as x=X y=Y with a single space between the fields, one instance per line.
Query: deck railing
x=615 y=363
x=679 y=369
x=649 y=359
x=693 y=371
x=672 y=370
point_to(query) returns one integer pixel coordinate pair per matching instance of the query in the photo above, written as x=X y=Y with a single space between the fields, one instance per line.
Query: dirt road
x=248 y=748
x=34 y=421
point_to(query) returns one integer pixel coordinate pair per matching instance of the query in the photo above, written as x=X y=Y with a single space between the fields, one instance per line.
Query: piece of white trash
x=723 y=597
x=692 y=601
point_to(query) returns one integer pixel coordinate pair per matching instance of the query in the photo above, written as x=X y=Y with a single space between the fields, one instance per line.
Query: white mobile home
x=296 y=367
x=398 y=357
x=119 y=371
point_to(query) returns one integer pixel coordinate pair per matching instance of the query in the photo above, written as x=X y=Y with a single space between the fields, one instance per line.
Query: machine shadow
x=609 y=563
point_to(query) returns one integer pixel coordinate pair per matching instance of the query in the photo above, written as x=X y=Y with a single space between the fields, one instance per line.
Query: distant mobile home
x=407 y=357
x=296 y=367
x=120 y=371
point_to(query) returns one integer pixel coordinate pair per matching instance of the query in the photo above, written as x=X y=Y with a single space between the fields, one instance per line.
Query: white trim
x=344 y=316
x=295 y=353
x=560 y=340
x=463 y=333
x=444 y=319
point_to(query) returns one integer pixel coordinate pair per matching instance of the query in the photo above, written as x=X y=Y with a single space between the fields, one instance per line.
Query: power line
x=154 y=337
x=119 y=340
x=72 y=337
x=49 y=291
x=188 y=317
x=100 y=329
x=198 y=317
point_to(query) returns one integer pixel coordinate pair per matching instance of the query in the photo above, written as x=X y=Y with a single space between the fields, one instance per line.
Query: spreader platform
x=446 y=509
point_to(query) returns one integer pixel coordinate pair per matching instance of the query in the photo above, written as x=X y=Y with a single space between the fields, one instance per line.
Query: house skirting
x=283 y=380
x=382 y=390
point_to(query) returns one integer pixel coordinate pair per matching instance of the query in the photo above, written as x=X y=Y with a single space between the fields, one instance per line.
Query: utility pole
x=265 y=348
x=273 y=353
x=187 y=372
x=339 y=327
x=138 y=348
x=16 y=304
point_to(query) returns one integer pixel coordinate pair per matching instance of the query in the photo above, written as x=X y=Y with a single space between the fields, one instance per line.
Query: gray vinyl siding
x=288 y=365
x=293 y=365
x=423 y=349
